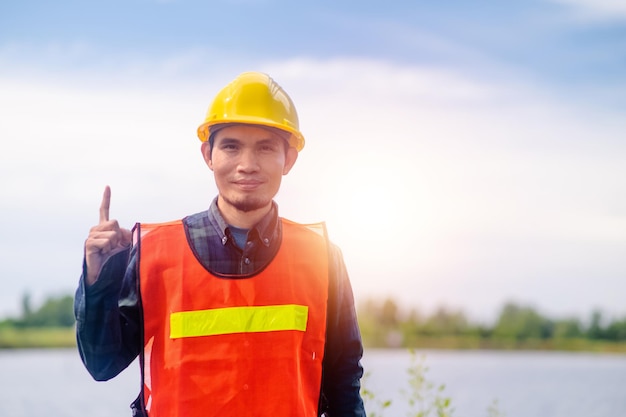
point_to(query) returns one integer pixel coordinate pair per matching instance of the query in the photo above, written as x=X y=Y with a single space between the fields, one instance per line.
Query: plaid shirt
x=214 y=245
x=108 y=313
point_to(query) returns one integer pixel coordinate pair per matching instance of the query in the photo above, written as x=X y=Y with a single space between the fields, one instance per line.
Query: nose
x=248 y=161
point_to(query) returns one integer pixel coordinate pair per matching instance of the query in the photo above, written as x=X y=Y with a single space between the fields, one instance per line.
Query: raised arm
x=108 y=319
x=104 y=240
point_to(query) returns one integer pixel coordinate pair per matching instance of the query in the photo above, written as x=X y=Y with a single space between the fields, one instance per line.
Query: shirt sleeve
x=342 y=370
x=108 y=328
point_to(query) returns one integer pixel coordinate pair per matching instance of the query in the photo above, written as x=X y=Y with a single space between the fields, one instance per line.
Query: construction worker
x=233 y=311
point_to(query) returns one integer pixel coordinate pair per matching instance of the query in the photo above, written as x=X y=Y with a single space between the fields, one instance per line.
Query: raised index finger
x=104 y=206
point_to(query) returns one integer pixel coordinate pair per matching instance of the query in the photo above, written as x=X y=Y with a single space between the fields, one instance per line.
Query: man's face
x=248 y=163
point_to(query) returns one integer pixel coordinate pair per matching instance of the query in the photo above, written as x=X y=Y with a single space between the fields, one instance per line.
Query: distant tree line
x=55 y=311
x=385 y=324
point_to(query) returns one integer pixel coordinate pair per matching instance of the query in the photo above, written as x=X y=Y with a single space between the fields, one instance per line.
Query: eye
x=229 y=146
x=268 y=147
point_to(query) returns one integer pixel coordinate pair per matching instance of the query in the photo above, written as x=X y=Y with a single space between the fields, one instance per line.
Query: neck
x=241 y=219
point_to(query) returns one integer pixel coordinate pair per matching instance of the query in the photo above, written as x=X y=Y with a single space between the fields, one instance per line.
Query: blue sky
x=462 y=153
x=559 y=42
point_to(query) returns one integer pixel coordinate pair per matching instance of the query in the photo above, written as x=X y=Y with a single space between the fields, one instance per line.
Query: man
x=233 y=311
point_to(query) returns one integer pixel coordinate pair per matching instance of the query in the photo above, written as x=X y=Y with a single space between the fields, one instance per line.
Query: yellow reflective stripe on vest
x=238 y=320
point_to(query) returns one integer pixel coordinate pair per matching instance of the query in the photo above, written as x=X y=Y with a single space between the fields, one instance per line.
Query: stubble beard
x=247 y=204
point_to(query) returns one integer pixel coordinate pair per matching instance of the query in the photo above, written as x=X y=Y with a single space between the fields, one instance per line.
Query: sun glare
x=375 y=215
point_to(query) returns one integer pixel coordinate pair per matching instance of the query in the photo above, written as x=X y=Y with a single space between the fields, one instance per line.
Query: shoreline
x=65 y=337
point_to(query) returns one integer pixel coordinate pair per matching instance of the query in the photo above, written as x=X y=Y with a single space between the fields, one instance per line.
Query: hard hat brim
x=295 y=138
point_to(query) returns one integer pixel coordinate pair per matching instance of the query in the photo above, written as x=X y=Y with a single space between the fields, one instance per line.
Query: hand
x=105 y=240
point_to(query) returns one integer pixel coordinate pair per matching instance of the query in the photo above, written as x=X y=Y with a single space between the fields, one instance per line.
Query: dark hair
x=211 y=142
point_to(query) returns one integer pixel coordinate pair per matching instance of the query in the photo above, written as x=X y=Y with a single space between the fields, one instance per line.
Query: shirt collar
x=266 y=229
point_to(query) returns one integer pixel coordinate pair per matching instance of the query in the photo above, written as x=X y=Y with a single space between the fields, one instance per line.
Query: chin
x=247 y=204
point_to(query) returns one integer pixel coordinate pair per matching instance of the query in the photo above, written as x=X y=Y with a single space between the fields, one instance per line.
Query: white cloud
x=597 y=9
x=500 y=163
x=438 y=187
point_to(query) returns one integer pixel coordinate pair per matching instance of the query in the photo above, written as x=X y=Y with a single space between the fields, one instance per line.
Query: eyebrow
x=228 y=140
x=270 y=140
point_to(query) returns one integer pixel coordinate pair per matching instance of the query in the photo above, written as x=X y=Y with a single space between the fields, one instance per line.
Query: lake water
x=54 y=383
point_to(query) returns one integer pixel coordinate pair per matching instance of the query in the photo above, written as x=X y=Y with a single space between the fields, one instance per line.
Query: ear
x=290 y=159
x=206 y=154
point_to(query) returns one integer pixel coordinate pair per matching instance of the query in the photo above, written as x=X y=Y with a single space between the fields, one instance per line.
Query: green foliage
x=569 y=328
x=595 y=330
x=32 y=337
x=424 y=397
x=494 y=411
x=55 y=311
x=384 y=324
x=26 y=305
x=49 y=326
x=446 y=322
x=380 y=323
x=374 y=406
x=521 y=323
x=616 y=330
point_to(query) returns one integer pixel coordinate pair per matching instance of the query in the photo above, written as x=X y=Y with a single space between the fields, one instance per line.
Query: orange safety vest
x=232 y=346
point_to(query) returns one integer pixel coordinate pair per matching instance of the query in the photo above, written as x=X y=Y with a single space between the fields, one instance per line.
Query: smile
x=248 y=184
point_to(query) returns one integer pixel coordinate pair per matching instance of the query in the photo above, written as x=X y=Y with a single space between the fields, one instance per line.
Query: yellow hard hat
x=253 y=98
